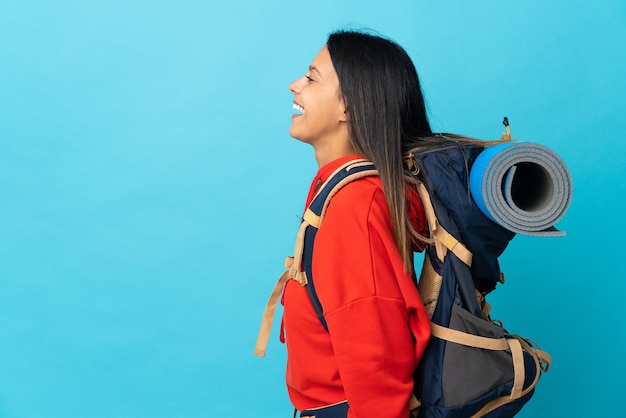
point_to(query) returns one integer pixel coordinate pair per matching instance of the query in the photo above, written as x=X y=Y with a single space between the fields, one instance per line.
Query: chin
x=295 y=135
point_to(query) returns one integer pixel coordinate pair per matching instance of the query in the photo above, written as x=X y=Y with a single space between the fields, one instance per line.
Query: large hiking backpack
x=471 y=366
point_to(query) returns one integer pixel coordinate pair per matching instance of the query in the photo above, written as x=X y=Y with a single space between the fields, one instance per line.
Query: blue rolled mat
x=524 y=187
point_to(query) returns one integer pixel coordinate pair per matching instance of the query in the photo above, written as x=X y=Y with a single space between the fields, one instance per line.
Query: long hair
x=386 y=116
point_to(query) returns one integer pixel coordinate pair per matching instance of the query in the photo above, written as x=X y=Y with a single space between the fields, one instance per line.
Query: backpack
x=472 y=366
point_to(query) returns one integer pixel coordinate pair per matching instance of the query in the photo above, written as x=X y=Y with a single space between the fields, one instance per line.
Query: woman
x=360 y=98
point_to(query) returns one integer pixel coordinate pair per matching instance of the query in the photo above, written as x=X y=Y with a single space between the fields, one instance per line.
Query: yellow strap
x=268 y=316
x=514 y=344
x=518 y=368
x=492 y=405
x=288 y=262
x=428 y=207
x=443 y=239
x=545 y=360
x=414 y=403
x=298 y=275
x=536 y=354
x=540 y=357
x=293 y=264
x=294 y=270
x=469 y=340
x=452 y=244
x=345 y=166
x=357 y=163
x=343 y=182
x=311 y=218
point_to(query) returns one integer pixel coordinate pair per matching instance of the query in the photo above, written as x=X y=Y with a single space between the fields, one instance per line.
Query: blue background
x=150 y=190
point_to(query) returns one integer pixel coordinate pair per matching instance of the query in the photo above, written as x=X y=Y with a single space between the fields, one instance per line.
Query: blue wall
x=150 y=190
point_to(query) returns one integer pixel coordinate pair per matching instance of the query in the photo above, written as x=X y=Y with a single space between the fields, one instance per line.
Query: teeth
x=298 y=108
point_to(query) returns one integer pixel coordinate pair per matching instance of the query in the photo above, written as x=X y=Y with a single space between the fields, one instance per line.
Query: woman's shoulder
x=364 y=201
x=358 y=198
x=360 y=190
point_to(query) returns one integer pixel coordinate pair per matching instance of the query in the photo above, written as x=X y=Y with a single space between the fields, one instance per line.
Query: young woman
x=360 y=98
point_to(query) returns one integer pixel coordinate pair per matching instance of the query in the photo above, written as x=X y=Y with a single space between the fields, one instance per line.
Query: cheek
x=335 y=109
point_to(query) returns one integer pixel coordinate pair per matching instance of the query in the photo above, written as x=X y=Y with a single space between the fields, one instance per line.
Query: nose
x=295 y=85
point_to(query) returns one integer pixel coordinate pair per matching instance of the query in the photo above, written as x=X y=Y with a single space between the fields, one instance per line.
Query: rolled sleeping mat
x=524 y=187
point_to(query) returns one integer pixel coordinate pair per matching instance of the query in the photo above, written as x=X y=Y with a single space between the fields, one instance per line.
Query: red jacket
x=377 y=325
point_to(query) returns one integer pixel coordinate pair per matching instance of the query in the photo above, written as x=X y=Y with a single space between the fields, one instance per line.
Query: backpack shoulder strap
x=345 y=174
x=302 y=265
x=298 y=266
x=314 y=214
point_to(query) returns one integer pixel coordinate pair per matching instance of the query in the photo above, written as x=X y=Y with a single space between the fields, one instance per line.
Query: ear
x=343 y=117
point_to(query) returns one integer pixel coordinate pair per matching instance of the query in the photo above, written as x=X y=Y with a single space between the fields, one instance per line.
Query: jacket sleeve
x=359 y=277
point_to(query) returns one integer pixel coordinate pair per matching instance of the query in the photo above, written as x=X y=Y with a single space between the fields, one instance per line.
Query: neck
x=324 y=158
x=331 y=150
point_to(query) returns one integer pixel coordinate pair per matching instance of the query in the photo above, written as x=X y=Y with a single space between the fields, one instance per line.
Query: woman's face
x=317 y=98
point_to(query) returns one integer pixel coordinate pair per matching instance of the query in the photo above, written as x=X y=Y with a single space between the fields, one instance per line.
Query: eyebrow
x=313 y=68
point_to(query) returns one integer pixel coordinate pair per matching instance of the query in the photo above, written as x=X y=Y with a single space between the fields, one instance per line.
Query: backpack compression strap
x=542 y=360
x=444 y=241
x=311 y=221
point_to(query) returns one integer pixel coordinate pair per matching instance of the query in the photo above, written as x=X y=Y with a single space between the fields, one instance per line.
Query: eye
x=308 y=78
